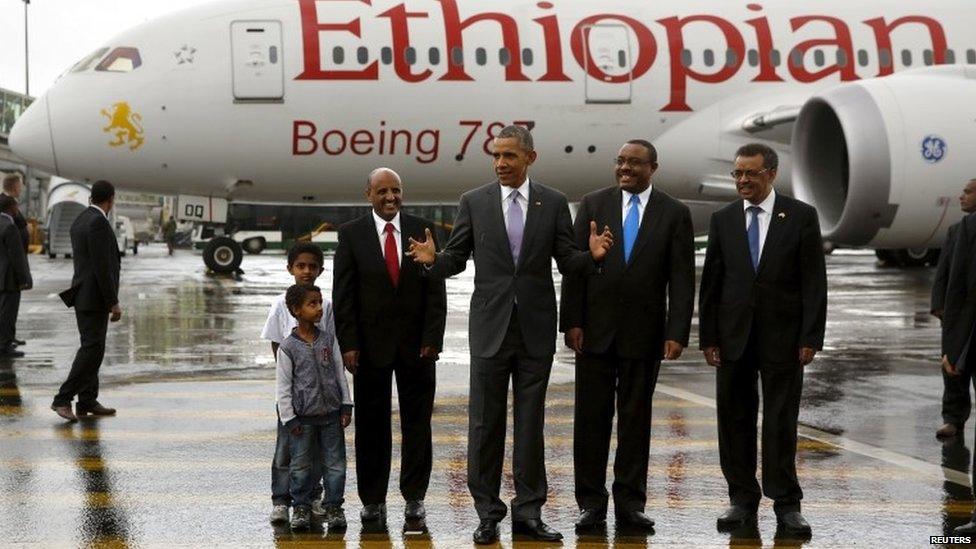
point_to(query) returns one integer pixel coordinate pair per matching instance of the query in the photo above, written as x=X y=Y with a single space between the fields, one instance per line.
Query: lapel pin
x=538 y=203
x=782 y=215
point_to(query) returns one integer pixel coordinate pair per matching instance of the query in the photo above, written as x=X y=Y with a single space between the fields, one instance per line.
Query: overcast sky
x=64 y=31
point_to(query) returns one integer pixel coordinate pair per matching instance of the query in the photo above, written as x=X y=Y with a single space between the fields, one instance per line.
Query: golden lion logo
x=125 y=125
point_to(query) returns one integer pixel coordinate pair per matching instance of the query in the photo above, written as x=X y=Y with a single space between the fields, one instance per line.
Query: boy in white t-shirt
x=305 y=263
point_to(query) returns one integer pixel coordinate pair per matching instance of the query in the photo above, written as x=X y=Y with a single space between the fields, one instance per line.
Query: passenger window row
x=708 y=57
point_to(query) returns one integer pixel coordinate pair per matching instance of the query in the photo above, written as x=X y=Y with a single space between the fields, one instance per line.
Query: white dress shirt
x=765 y=216
x=625 y=205
x=381 y=232
x=523 y=200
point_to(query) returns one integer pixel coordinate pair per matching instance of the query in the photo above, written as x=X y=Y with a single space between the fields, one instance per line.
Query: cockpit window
x=121 y=60
x=89 y=60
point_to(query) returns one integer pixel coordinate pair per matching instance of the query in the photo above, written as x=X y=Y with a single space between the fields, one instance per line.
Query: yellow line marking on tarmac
x=557 y=469
x=929 y=470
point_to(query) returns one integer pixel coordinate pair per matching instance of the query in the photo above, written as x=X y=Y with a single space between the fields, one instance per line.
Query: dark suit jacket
x=942 y=271
x=631 y=308
x=22 y=228
x=374 y=317
x=785 y=301
x=498 y=283
x=95 y=285
x=960 y=297
x=14 y=268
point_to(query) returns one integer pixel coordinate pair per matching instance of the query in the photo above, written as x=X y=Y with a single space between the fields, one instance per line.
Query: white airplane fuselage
x=297 y=100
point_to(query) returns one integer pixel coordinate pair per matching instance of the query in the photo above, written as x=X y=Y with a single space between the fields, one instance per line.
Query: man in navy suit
x=94 y=294
x=762 y=312
x=621 y=324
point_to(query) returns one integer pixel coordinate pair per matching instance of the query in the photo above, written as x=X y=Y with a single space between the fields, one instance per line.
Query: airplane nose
x=31 y=137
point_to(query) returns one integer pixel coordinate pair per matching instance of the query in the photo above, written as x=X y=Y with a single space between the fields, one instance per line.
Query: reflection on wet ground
x=187 y=461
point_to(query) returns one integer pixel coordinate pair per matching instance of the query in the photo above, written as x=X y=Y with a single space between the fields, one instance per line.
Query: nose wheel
x=223 y=255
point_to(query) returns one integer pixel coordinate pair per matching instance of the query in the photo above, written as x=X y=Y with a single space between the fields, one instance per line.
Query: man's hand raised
x=423 y=252
x=601 y=243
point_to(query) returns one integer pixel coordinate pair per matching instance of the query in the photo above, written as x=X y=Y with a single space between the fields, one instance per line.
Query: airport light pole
x=26 y=52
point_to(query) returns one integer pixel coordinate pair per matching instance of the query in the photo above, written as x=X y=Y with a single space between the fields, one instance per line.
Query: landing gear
x=223 y=255
x=909 y=257
x=255 y=246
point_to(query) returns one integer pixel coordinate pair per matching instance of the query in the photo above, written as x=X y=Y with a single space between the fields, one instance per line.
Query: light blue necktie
x=753 y=233
x=516 y=222
x=631 y=226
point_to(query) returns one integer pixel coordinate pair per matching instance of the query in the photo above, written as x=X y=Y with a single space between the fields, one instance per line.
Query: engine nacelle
x=882 y=160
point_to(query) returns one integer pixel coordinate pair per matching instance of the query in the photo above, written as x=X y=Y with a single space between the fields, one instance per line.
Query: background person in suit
x=959 y=319
x=390 y=318
x=620 y=324
x=514 y=227
x=13 y=186
x=15 y=275
x=762 y=312
x=94 y=294
x=956 y=403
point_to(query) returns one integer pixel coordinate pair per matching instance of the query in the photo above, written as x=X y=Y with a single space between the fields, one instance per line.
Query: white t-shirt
x=280 y=323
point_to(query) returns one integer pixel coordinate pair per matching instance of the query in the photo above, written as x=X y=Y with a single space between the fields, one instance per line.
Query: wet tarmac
x=187 y=460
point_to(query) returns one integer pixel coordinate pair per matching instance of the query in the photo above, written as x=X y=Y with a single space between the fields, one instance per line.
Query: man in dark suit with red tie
x=390 y=320
x=621 y=324
x=762 y=312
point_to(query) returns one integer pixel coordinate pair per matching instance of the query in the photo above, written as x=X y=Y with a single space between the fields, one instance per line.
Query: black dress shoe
x=65 y=412
x=734 y=517
x=635 y=518
x=414 y=510
x=487 y=532
x=535 y=529
x=373 y=512
x=94 y=410
x=19 y=342
x=592 y=518
x=793 y=523
x=968 y=529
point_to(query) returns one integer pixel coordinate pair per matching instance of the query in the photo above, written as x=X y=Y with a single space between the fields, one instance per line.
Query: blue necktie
x=631 y=225
x=753 y=233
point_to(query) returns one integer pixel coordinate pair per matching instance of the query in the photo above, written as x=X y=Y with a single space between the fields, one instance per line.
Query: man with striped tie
x=762 y=312
x=621 y=324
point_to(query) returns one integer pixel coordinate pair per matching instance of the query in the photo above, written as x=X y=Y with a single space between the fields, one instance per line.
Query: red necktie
x=391 y=252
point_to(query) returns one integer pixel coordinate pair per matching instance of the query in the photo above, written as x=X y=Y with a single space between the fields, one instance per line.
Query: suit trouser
x=372 y=390
x=956 y=404
x=738 y=406
x=487 y=411
x=9 y=308
x=601 y=379
x=83 y=377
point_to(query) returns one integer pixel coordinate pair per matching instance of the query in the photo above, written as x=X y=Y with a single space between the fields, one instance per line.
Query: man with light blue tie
x=514 y=227
x=762 y=312
x=621 y=324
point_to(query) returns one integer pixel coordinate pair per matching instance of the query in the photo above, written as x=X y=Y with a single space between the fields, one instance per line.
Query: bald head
x=384 y=191
x=967 y=200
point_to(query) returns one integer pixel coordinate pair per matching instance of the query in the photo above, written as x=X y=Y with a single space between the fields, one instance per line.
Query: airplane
x=869 y=104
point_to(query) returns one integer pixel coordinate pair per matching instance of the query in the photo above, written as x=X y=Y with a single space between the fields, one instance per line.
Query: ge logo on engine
x=933 y=149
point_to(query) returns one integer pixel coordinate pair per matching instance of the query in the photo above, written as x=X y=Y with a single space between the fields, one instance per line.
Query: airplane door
x=609 y=57
x=258 y=62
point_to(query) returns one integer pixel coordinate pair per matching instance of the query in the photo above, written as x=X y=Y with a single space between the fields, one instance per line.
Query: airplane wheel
x=223 y=255
x=254 y=245
x=914 y=257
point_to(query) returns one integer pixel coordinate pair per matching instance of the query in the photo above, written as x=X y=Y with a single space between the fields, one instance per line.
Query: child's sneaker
x=300 y=518
x=279 y=514
x=335 y=517
x=318 y=509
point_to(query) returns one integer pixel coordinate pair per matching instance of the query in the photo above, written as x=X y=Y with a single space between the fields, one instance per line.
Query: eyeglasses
x=748 y=174
x=635 y=162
